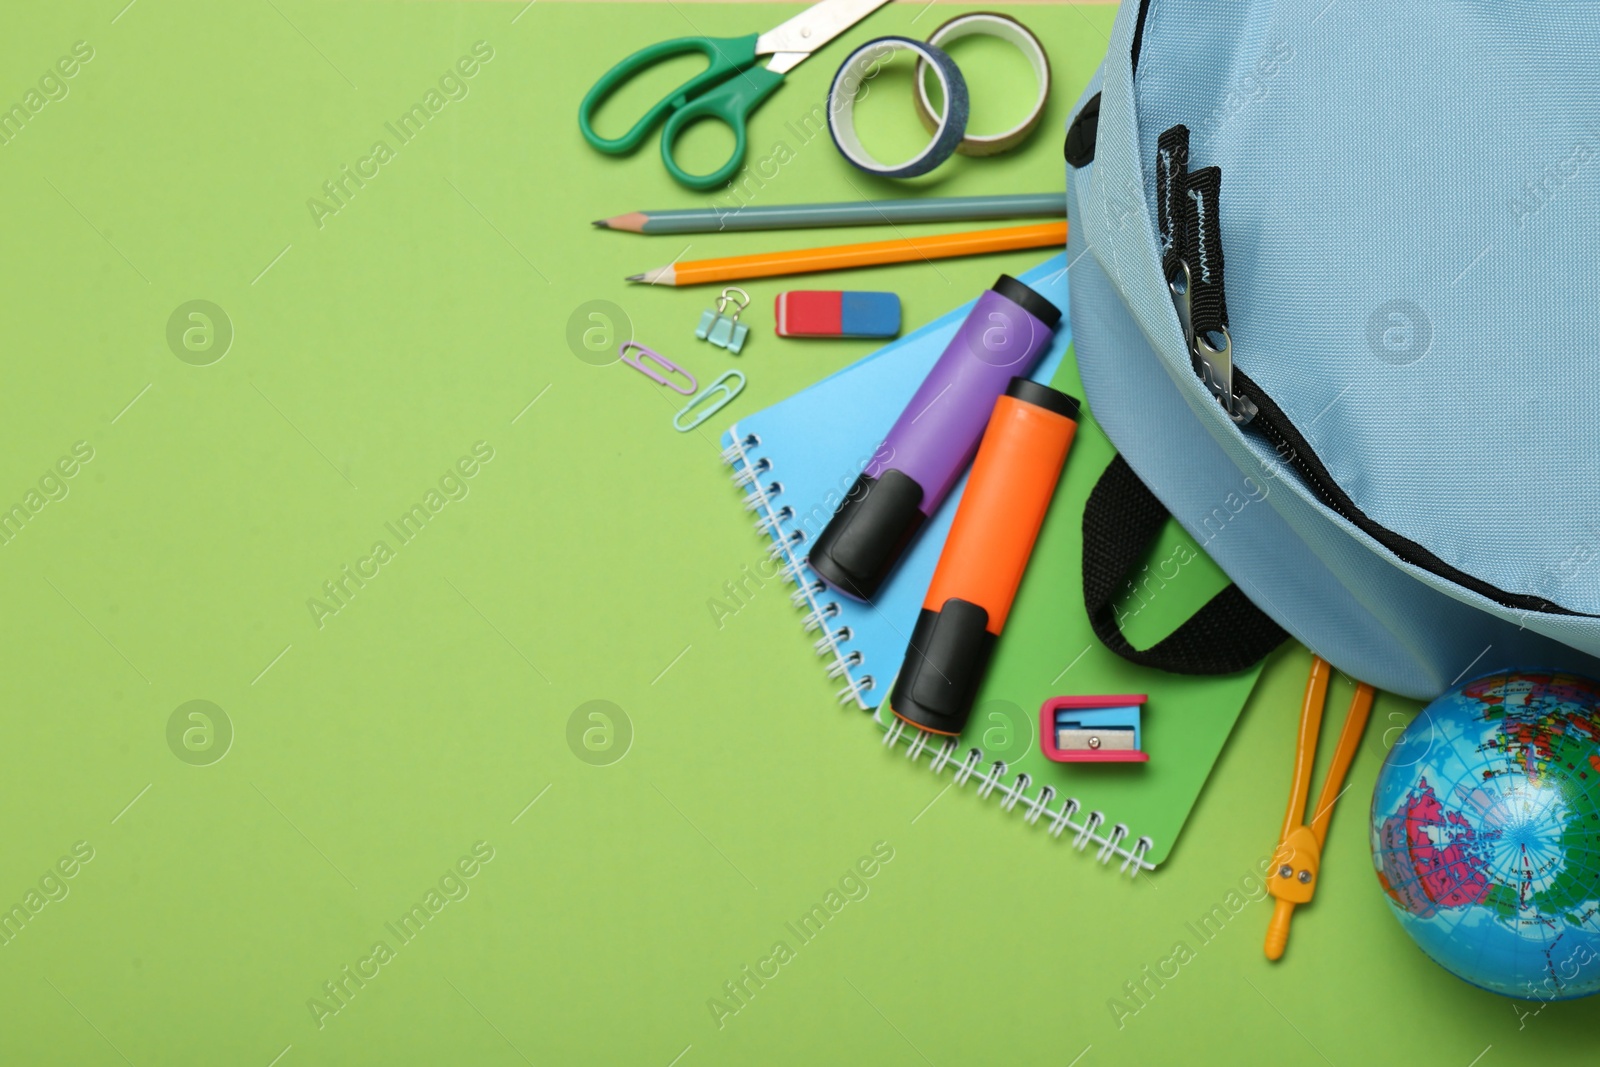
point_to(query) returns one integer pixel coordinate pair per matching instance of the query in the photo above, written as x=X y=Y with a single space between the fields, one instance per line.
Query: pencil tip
x=604 y=224
x=633 y=222
x=635 y=278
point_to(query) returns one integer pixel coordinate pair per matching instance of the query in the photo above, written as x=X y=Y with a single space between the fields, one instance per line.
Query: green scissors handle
x=743 y=88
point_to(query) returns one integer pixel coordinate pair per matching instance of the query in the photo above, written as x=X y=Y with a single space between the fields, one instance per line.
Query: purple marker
x=934 y=438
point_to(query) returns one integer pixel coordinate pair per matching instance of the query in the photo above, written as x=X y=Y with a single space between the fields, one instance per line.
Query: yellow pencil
x=844 y=257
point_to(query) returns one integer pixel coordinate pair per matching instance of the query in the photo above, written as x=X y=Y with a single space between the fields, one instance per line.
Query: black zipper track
x=1293 y=449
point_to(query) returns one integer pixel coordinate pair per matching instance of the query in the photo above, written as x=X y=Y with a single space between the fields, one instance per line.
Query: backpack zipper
x=1292 y=448
x=1191 y=260
x=1191 y=246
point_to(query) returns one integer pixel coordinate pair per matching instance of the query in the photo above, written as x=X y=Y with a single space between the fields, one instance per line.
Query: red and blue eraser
x=830 y=313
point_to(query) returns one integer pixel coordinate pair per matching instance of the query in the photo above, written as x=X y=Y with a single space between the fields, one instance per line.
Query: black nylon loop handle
x=1120 y=523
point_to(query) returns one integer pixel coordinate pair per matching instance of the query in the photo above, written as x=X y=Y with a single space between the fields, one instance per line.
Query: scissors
x=728 y=90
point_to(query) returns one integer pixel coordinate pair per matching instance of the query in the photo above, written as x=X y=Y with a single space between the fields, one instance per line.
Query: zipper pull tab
x=1191 y=260
x=1212 y=364
x=1210 y=345
x=1178 y=287
x=1172 y=174
x=1215 y=365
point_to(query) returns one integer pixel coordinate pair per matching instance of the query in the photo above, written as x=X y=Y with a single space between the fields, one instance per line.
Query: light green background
x=373 y=752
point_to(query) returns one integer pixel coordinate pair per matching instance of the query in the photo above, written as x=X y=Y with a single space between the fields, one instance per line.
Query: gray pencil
x=850 y=213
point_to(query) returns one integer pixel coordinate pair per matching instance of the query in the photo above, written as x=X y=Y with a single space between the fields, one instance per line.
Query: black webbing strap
x=1123 y=519
x=1172 y=175
x=1202 y=235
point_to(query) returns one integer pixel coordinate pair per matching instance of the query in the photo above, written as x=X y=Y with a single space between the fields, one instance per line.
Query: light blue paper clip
x=720 y=386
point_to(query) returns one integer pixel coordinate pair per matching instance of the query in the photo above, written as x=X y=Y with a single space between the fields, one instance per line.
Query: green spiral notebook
x=1127 y=813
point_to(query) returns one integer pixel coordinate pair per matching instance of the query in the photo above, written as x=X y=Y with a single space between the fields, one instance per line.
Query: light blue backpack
x=1335 y=275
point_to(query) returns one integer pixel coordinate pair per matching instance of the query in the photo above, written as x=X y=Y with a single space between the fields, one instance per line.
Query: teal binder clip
x=710 y=400
x=721 y=329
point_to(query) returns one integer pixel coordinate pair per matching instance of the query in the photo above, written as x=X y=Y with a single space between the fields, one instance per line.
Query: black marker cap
x=1028 y=300
x=858 y=548
x=1042 y=396
x=943 y=667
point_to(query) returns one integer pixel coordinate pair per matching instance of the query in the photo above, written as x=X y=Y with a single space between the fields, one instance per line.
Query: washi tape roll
x=947 y=128
x=989 y=24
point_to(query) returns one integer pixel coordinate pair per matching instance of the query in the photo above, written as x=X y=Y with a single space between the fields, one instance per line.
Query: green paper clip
x=720 y=386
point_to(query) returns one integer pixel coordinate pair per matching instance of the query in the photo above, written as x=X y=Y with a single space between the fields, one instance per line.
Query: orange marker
x=1013 y=478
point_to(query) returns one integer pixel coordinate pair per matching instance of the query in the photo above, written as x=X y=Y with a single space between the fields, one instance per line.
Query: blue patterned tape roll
x=860 y=67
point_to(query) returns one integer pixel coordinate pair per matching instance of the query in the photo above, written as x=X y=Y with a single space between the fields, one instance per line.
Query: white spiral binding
x=841 y=667
x=814 y=620
x=749 y=475
x=990 y=782
x=768 y=524
x=758 y=496
x=809 y=595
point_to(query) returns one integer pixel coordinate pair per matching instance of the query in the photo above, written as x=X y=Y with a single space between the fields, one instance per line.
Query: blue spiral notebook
x=798 y=458
x=795 y=461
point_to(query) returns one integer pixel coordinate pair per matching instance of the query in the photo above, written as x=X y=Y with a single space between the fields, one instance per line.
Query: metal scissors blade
x=790 y=43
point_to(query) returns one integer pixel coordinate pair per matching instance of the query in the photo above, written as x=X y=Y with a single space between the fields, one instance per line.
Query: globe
x=1486 y=833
